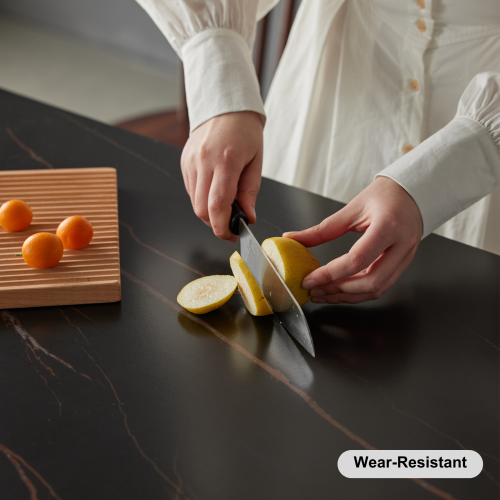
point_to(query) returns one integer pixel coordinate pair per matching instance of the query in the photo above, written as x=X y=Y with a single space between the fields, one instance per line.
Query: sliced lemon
x=294 y=262
x=254 y=300
x=206 y=294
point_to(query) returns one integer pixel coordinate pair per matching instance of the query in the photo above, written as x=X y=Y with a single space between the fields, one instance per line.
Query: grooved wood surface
x=90 y=275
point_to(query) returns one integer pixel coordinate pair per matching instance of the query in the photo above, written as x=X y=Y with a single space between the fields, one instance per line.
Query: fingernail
x=289 y=233
x=318 y=301
x=309 y=284
x=317 y=292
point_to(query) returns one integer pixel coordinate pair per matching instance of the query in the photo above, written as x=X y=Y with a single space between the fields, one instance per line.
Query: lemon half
x=248 y=287
x=294 y=262
x=206 y=294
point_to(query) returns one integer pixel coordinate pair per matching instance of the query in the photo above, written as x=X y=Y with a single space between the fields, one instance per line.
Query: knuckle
x=374 y=296
x=185 y=162
x=187 y=155
x=229 y=155
x=322 y=226
x=184 y=153
x=216 y=204
x=392 y=222
x=374 y=285
x=327 y=274
x=413 y=240
x=204 y=151
x=318 y=230
x=220 y=233
x=401 y=225
x=358 y=261
x=200 y=211
x=249 y=193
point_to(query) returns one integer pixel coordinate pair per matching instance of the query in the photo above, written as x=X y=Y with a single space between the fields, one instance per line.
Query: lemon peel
x=294 y=262
x=253 y=297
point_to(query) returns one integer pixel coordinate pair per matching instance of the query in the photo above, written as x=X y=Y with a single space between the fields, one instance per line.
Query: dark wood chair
x=172 y=126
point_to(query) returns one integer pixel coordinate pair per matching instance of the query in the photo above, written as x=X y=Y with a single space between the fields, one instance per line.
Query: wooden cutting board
x=84 y=276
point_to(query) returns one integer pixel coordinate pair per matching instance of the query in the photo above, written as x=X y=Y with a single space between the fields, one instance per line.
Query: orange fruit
x=75 y=232
x=15 y=215
x=42 y=250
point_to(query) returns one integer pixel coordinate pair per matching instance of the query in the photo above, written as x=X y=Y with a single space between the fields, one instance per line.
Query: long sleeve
x=214 y=39
x=460 y=164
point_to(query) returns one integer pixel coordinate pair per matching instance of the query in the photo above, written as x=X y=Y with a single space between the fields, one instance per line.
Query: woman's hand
x=222 y=160
x=392 y=224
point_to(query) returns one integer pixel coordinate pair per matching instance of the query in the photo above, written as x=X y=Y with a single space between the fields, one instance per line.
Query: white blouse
x=408 y=89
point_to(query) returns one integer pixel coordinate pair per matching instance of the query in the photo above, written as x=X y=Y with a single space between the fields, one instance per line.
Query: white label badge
x=410 y=463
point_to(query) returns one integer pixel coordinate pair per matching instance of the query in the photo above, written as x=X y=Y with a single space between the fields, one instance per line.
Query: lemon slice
x=248 y=287
x=294 y=262
x=206 y=294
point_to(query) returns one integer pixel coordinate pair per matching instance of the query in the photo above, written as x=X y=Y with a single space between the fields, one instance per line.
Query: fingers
x=186 y=181
x=393 y=226
x=189 y=177
x=221 y=196
x=363 y=253
x=332 y=227
x=248 y=187
x=370 y=281
x=215 y=155
x=347 y=298
x=228 y=184
x=200 y=203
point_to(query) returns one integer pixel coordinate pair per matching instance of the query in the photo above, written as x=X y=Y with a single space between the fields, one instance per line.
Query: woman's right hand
x=221 y=161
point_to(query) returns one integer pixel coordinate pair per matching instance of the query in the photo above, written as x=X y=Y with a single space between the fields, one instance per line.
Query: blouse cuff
x=449 y=171
x=481 y=102
x=219 y=75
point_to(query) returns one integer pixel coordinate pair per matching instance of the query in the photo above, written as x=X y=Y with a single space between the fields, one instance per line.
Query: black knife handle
x=236 y=214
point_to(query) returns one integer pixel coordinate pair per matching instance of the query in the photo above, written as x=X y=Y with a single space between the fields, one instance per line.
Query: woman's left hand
x=392 y=224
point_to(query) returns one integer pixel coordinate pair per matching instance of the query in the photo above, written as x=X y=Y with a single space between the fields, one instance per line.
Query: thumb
x=332 y=227
x=248 y=187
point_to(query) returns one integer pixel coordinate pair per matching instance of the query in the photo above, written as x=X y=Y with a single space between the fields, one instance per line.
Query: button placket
x=416 y=41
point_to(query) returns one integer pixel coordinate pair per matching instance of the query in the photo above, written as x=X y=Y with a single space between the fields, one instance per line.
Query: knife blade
x=279 y=297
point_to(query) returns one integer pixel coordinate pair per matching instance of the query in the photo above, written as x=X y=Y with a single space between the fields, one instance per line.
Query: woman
x=390 y=106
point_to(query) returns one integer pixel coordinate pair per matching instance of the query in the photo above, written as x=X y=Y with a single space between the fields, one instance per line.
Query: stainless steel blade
x=281 y=300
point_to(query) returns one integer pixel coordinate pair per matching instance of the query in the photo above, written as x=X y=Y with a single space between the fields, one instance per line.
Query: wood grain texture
x=87 y=276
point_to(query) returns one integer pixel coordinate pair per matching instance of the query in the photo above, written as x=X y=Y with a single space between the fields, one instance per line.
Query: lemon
x=294 y=262
x=248 y=287
x=206 y=294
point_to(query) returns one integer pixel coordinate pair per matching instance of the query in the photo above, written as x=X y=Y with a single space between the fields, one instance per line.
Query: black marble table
x=136 y=400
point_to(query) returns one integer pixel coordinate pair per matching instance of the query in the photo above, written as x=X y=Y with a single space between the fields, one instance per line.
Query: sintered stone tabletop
x=137 y=400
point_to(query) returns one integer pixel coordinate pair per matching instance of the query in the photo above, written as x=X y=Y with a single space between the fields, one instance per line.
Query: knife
x=279 y=297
